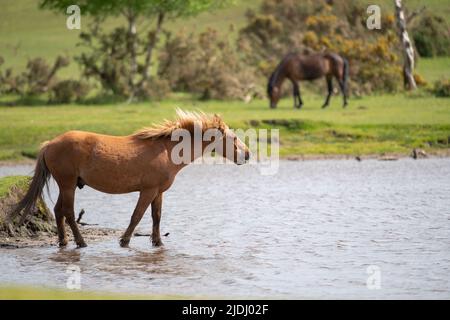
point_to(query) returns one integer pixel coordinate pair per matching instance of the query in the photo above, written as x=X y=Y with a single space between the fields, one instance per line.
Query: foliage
x=105 y=59
x=105 y=8
x=122 y=59
x=38 y=78
x=441 y=88
x=420 y=81
x=9 y=182
x=67 y=91
x=275 y=30
x=432 y=36
x=208 y=65
x=156 y=89
x=107 y=62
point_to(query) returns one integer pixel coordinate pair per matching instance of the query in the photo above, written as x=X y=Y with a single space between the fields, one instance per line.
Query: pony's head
x=273 y=91
x=232 y=148
x=215 y=135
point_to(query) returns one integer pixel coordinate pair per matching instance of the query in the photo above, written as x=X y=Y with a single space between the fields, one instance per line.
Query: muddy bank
x=38 y=228
x=415 y=154
x=90 y=235
x=443 y=153
x=12 y=190
x=17 y=162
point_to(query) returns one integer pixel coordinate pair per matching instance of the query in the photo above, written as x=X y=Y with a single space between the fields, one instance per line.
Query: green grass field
x=371 y=125
x=30 y=293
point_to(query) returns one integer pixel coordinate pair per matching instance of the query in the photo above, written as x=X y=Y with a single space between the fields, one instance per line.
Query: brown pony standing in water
x=139 y=162
x=296 y=67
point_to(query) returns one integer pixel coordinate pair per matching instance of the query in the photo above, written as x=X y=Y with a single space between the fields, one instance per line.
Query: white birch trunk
x=408 y=50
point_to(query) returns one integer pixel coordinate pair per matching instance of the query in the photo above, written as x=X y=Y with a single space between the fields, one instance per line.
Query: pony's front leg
x=145 y=198
x=330 y=91
x=156 y=216
x=298 y=103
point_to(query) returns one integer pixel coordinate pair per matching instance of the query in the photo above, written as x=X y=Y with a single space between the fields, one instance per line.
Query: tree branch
x=414 y=14
x=152 y=41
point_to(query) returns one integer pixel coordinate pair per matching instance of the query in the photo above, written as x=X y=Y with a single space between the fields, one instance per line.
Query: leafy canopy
x=103 y=8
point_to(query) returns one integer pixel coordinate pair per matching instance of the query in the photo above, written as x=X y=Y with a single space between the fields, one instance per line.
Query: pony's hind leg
x=343 y=88
x=298 y=103
x=59 y=217
x=330 y=91
x=145 y=198
x=68 y=198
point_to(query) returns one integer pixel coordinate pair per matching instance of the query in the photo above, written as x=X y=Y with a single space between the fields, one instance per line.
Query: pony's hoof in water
x=124 y=243
x=62 y=243
x=81 y=245
x=157 y=243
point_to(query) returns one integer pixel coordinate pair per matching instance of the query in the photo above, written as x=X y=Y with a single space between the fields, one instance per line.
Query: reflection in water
x=310 y=231
x=64 y=255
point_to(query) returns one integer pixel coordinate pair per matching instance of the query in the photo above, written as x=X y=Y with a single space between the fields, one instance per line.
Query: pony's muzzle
x=244 y=158
x=247 y=155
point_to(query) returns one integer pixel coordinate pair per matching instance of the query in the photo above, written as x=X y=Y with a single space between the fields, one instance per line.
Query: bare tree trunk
x=132 y=46
x=152 y=42
x=408 y=50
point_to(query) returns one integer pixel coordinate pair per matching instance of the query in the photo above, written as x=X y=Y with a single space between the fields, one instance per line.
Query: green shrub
x=442 y=88
x=38 y=78
x=67 y=91
x=120 y=62
x=208 y=65
x=155 y=88
x=432 y=36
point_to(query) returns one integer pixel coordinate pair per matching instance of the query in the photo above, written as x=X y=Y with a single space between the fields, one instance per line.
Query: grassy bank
x=371 y=125
x=7 y=183
x=29 y=293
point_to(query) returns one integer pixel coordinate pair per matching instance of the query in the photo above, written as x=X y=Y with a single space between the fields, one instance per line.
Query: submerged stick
x=140 y=234
x=80 y=215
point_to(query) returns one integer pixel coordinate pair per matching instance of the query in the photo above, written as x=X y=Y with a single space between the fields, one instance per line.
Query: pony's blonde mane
x=184 y=120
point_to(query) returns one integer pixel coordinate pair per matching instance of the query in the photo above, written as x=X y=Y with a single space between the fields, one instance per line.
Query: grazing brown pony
x=139 y=162
x=296 y=67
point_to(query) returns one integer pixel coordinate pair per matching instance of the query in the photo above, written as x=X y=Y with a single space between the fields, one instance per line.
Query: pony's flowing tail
x=40 y=179
x=346 y=76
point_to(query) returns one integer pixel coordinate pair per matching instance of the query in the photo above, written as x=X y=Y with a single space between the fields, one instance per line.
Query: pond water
x=316 y=229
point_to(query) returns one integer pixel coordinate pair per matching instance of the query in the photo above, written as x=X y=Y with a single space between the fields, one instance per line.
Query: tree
x=158 y=11
x=408 y=50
